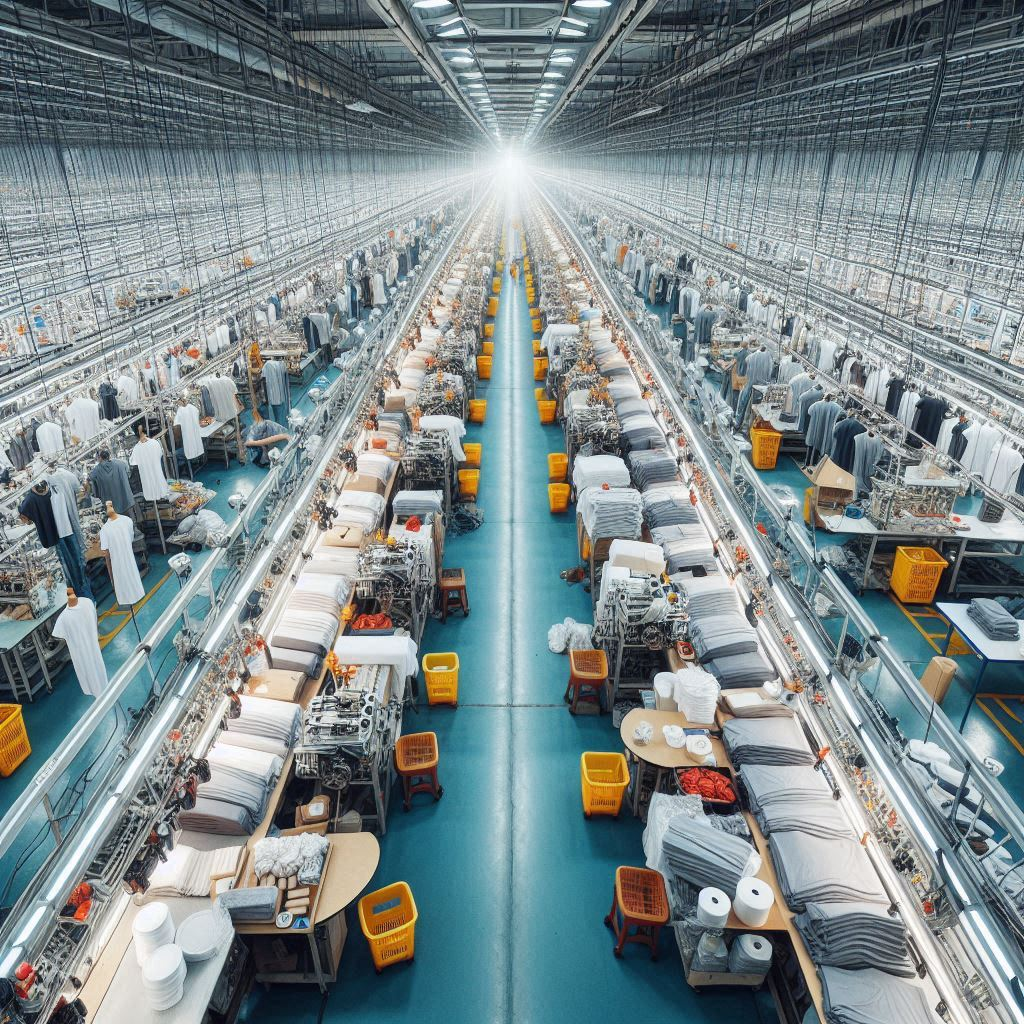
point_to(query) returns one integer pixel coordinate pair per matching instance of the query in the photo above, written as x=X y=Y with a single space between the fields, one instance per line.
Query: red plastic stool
x=639 y=901
x=416 y=757
x=588 y=671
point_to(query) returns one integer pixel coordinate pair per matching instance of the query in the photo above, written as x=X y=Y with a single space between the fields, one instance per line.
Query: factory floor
x=51 y=716
x=511 y=882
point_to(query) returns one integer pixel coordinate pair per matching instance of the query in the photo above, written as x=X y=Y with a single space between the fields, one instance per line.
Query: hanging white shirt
x=981 y=439
x=148 y=456
x=78 y=627
x=83 y=415
x=908 y=406
x=1003 y=467
x=127 y=391
x=187 y=418
x=61 y=513
x=826 y=355
x=50 y=438
x=945 y=434
x=116 y=538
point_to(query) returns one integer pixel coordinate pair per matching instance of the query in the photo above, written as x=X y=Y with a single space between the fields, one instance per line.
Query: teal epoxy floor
x=52 y=716
x=512 y=884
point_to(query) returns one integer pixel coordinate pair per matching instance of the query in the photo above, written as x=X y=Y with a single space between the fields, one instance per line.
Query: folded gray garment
x=770 y=741
x=736 y=670
x=294 y=661
x=816 y=870
x=995 y=621
x=725 y=636
x=856 y=936
x=702 y=855
x=822 y=819
x=218 y=817
x=871 y=997
x=766 y=785
x=712 y=603
x=226 y=786
x=253 y=904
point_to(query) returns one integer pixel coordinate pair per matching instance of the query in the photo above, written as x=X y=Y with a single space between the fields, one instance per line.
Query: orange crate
x=540 y=367
x=558 y=497
x=483 y=367
x=916 y=573
x=469 y=484
x=14 y=745
x=546 y=410
x=477 y=410
x=487 y=348
x=474 y=453
x=766 y=444
x=558 y=466
x=603 y=780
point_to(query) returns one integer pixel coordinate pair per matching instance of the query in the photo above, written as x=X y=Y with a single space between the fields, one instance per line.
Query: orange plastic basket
x=558 y=497
x=416 y=750
x=14 y=745
x=766 y=444
x=474 y=453
x=388 y=920
x=603 y=780
x=589 y=665
x=546 y=410
x=477 y=410
x=540 y=367
x=558 y=466
x=441 y=672
x=488 y=348
x=469 y=484
x=916 y=573
x=640 y=893
x=483 y=367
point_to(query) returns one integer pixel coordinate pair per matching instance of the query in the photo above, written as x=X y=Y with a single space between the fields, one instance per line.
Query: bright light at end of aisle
x=510 y=168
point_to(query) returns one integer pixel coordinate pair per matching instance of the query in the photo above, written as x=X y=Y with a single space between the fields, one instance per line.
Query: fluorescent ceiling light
x=554 y=74
x=563 y=31
x=451 y=21
x=560 y=60
x=576 y=21
x=362 y=107
x=429 y=5
x=457 y=31
x=591 y=3
x=471 y=74
x=461 y=60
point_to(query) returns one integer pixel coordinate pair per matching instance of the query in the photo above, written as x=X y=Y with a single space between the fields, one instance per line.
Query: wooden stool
x=416 y=757
x=453 y=592
x=588 y=670
x=639 y=901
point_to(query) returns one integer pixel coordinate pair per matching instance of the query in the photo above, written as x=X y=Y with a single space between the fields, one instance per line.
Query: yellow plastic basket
x=546 y=410
x=488 y=348
x=469 y=484
x=499 y=266
x=441 y=672
x=539 y=394
x=477 y=410
x=540 y=367
x=558 y=466
x=496 y=285
x=388 y=920
x=531 y=295
x=492 y=306
x=558 y=497
x=483 y=367
x=916 y=573
x=766 y=443
x=14 y=745
x=488 y=330
x=536 y=348
x=603 y=779
x=474 y=453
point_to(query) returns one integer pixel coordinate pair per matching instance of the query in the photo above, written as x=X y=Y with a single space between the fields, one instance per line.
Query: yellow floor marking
x=126 y=616
x=1002 y=728
x=956 y=644
x=1011 y=714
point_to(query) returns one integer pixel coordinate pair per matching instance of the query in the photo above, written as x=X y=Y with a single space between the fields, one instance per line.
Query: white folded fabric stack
x=163 y=977
x=187 y=871
x=595 y=470
x=276 y=719
x=616 y=512
x=696 y=693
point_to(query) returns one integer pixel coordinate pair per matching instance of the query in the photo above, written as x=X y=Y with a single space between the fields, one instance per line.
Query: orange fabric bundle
x=413 y=524
x=707 y=784
x=378 y=621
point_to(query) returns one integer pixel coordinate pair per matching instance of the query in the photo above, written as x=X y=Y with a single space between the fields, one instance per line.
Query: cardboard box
x=937 y=677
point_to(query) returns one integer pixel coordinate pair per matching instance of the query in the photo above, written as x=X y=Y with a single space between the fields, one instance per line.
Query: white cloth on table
x=116 y=538
x=148 y=457
x=594 y=470
x=78 y=626
x=399 y=651
x=187 y=419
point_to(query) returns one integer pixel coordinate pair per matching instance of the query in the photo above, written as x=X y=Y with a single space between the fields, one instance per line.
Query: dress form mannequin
x=77 y=625
x=116 y=538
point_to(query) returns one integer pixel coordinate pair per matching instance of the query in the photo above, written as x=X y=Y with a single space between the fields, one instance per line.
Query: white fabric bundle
x=697 y=694
x=569 y=635
x=284 y=856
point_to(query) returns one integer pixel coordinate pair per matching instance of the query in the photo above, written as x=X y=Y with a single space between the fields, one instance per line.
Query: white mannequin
x=116 y=537
x=77 y=625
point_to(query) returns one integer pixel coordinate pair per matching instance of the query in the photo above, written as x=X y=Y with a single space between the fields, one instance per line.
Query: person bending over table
x=262 y=435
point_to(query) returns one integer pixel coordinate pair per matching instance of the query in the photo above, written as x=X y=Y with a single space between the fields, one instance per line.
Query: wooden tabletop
x=658 y=752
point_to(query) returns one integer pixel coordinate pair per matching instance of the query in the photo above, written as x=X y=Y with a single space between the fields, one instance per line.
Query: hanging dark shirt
x=957 y=442
x=843 y=451
x=110 y=482
x=108 y=401
x=38 y=508
x=896 y=388
x=928 y=418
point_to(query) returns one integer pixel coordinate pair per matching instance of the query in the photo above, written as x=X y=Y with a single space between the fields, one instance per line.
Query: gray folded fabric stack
x=734 y=671
x=685 y=546
x=816 y=870
x=709 y=599
x=871 y=997
x=855 y=936
x=417 y=503
x=276 y=719
x=723 y=636
x=617 y=512
x=700 y=855
x=641 y=432
x=669 y=506
x=995 y=621
x=771 y=741
x=793 y=799
x=656 y=466
x=253 y=905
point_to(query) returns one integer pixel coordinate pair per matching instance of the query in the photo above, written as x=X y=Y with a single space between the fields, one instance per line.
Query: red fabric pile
x=412 y=524
x=707 y=784
x=378 y=621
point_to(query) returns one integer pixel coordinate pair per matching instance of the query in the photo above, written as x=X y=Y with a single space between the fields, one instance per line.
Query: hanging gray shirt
x=820 y=422
x=109 y=481
x=759 y=367
x=867 y=450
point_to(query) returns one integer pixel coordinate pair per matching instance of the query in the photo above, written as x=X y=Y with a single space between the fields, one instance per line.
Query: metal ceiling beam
x=628 y=16
x=347 y=35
